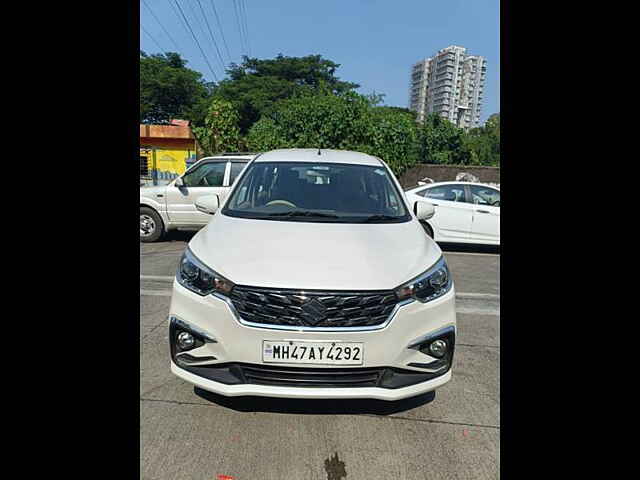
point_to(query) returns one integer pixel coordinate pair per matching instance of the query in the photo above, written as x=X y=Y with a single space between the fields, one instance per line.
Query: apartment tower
x=451 y=84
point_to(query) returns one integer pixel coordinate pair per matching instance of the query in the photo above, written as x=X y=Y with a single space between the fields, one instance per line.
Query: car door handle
x=482 y=211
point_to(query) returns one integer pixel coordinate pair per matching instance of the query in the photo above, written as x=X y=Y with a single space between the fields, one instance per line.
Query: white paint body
x=318 y=256
x=176 y=205
x=460 y=221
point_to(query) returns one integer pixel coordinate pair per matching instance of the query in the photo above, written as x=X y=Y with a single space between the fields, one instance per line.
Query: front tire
x=427 y=228
x=151 y=225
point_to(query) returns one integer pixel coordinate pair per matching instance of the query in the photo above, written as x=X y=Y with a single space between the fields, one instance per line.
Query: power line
x=178 y=15
x=246 y=25
x=161 y=26
x=197 y=17
x=196 y=40
x=211 y=33
x=243 y=18
x=221 y=31
x=235 y=8
x=162 y=50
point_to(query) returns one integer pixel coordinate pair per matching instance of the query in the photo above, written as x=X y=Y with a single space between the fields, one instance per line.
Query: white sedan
x=465 y=212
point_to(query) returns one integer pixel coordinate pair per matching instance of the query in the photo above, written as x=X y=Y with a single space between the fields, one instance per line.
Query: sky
x=375 y=41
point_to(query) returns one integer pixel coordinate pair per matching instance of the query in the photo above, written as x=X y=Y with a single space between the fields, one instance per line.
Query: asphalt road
x=187 y=433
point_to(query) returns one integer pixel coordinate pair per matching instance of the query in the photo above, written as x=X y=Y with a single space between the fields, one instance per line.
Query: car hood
x=305 y=255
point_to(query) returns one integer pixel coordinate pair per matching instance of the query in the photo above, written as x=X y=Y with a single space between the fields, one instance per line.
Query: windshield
x=317 y=192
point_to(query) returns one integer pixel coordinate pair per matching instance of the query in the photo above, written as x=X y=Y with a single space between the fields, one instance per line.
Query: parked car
x=314 y=279
x=172 y=206
x=464 y=212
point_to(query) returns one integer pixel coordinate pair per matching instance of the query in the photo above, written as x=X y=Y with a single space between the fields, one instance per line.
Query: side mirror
x=179 y=182
x=208 y=204
x=423 y=210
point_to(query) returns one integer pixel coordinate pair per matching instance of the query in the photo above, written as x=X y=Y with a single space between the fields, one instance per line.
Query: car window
x=485 y=196
x=207 y=175
x=236 y=168
x=450 y=193
x=326 y=192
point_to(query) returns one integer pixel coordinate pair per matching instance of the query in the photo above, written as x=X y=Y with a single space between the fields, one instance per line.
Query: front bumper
x=388 y=350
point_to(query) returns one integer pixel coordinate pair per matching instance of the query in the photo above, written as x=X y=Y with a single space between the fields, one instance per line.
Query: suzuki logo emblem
x=314 y=311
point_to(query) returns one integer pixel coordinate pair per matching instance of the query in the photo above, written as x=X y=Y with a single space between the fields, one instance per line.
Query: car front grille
x=312 y=377
x=296 y=308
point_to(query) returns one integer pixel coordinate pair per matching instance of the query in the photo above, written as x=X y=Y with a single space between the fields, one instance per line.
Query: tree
x=441 y=142
x=392 y=135
x=483 y=143
x=398 y=109
x=168 y=89
x=255 y=86
x=220 y=132
x=345 y=121
x=375 y=99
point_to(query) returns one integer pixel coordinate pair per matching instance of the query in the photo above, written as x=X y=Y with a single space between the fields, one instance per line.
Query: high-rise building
x=451 y=84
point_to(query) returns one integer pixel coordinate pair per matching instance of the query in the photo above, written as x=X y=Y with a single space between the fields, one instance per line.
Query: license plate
x=318 y=353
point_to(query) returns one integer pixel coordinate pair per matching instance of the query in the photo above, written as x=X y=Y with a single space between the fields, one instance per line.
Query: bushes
x=392 y=136
x=352 y=122
x=441 y=142
x=221 y=132
x=343 y=122
x=311 y=121
x=483 y=143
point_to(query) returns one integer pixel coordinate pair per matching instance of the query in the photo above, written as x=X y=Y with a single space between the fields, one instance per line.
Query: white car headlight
x=197 y=277
x=428 y=286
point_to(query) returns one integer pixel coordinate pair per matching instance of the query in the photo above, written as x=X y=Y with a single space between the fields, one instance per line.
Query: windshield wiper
x=378 y=218
x=303 y=213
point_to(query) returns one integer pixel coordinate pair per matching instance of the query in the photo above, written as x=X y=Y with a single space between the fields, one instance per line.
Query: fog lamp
x=438 y=348
x=185 y=340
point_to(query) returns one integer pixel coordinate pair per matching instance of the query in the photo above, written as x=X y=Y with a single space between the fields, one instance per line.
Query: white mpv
x=313 y=279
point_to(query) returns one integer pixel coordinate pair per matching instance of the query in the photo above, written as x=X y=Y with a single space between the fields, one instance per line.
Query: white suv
x=314 y=279
x=172 y=206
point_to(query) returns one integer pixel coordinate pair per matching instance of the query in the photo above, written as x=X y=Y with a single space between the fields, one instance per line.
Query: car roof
x=227 y=158
x=435 y=184
x=325 y=156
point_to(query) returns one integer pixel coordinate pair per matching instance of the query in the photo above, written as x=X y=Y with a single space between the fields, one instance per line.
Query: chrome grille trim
x=293 y=328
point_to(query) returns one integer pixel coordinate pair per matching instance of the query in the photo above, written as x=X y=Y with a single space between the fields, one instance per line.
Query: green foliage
x=312 y=121
x=441 y=142
x=483 y=143
x=168 y=89
x=392 y=136
x=398 y=109
x=255 y=86
x=375 y=99
x=220 y=132
x=266 y=135
x=298 y=102
x=345 y=122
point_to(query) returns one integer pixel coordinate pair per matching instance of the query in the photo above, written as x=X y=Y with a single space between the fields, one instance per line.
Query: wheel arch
x=162 y=217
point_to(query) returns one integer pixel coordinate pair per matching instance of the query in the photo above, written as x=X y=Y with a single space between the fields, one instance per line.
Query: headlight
x=197 y=277
x=432 y=284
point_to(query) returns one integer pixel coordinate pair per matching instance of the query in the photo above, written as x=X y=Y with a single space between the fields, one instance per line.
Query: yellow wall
x=174 y=161
x=169 y=162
